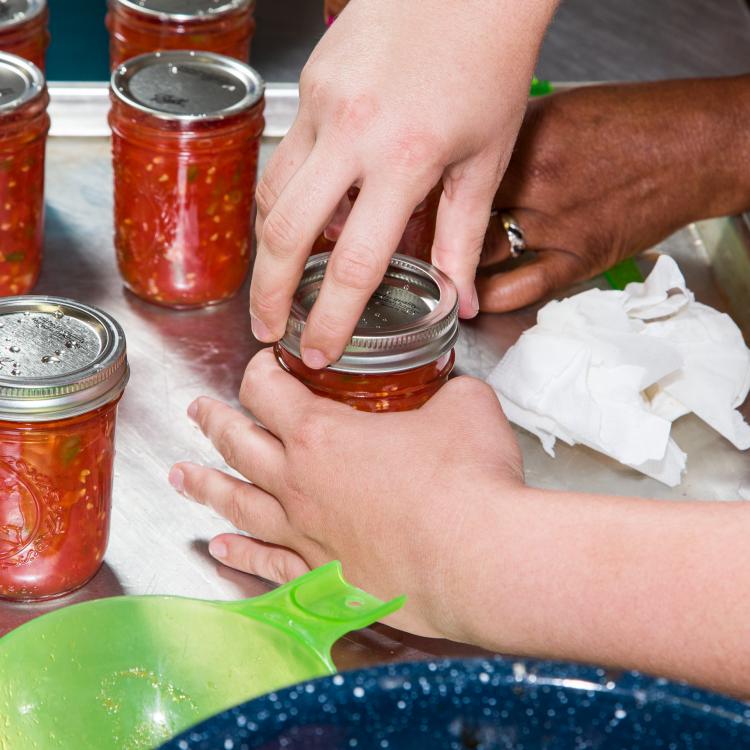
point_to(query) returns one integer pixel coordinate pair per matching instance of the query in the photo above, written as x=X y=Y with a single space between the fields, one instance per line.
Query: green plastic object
x=539 y=87
x=623 y=273
x=127 y=673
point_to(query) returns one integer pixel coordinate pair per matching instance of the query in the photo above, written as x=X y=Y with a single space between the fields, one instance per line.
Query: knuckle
x=355 y=265
x=471 y=388
x=265 y=197
x=309 y=433
x=277 y=563
x=354 y=114
x=280 y=236
x=310 y=87
x=264 y=304
x=414 y=151
x=235 y=508
x=228 y=441
x=252 y=377
x=327 y=327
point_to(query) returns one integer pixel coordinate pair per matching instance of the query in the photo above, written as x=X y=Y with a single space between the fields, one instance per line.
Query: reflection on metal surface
x=79 y=110
x=728 y=246
x=158 y=543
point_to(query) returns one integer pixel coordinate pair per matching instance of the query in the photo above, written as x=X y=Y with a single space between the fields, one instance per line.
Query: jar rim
x=204 y=10
x=21 y=82
x=410 y=320
x=41 y=383
x=32 y=9
x=210 y=105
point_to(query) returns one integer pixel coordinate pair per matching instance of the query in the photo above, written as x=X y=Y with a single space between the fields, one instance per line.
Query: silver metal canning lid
x=410 y=320
x=187 y=85
x=16 y=12
x=20 y=82
x=58 y=359
x=185 y=10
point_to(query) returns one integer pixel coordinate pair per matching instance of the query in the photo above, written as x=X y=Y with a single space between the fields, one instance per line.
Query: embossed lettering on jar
x=63 y=369
x=186 y=130
x=23 y=29
x=401 y=352
x=24 y=124
x=140 y=26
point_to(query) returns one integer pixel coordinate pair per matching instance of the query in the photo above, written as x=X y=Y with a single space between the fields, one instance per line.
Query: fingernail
x=192 y=410
x=177 y=479
x=314 y=359
x=475 y=301
x=217 y=549
x=261 y=330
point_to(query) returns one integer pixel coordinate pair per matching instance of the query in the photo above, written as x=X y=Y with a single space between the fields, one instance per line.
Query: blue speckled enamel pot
x=479 y=704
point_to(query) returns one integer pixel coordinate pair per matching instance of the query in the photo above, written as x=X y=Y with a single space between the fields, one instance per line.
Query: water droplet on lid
x=71 y=344
x=15 y=349
x=50 y=358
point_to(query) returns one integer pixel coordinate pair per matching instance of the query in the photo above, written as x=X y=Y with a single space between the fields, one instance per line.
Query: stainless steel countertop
x=158 y=542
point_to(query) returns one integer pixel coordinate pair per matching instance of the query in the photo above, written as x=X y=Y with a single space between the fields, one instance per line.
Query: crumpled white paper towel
x=614 y=369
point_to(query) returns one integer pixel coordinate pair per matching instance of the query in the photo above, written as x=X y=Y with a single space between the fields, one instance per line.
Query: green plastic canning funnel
x=127 y=673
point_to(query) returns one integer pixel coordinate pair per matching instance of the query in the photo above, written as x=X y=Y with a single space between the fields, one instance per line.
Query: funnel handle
x=319 y=607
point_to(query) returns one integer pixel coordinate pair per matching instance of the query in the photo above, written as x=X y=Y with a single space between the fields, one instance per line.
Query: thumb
x=551 y=271
x=463 y=215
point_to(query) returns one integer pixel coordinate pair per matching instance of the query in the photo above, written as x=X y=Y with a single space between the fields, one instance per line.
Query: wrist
x=479 y=574
x=712 y=145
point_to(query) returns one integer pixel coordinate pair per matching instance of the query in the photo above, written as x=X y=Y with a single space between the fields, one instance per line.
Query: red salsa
x=56 y=478
x=392 y=391
x=56 y=443
x=23 y=29
x=184 y=181
x=24 y=124
x=137 y=27
x=419 y=233
x=401 y=352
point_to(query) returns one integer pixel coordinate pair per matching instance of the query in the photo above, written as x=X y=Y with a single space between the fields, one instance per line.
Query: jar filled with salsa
x=63 y=369
x=140 y=26
x=401 y=352
x=23 y=29
x=24 y=124
x=419 y=233
x=186 y=130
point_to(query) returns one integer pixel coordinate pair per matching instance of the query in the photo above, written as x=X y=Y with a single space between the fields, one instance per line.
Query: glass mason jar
x=419 y=234
x=186 y=130
x=24 y=124
x=23 y=29
x=401 y=352
x=63 y=369
x=140 y=26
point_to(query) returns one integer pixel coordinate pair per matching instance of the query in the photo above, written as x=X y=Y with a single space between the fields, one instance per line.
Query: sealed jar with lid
x=24 y=124
x=186 y=130
x=401 y=352
x=419 y=233
x=23 y=29
x=63 y=369
x=140 y=26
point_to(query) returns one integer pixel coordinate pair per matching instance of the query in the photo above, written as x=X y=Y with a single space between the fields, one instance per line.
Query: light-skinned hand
x=395 y=98
x=432 y=504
